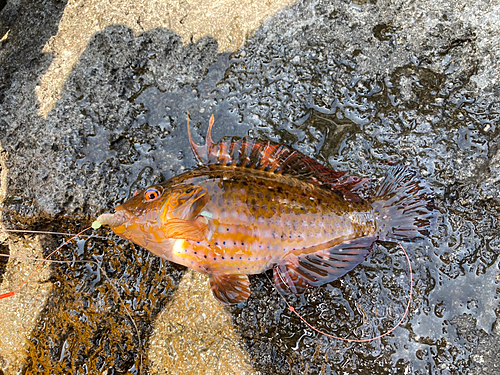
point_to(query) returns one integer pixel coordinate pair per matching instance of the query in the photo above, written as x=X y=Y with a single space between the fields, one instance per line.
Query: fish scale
x=254 y=205
x=249 y=236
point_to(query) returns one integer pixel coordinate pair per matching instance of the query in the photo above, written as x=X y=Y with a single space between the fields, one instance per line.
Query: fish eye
x=190 y=190
x=151 y=194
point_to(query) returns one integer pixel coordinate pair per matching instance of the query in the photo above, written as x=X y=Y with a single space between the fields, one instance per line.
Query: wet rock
x=355 y=84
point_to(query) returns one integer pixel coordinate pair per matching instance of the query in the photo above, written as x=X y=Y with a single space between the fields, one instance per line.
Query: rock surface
x=355 y=84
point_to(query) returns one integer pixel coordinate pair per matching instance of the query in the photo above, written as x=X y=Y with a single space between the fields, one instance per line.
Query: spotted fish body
x=255 y=223
x=255 y=205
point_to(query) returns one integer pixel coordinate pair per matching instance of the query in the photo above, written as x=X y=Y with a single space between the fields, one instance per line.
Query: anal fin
x=288 y=281
x=230 y=289
x=300 y=272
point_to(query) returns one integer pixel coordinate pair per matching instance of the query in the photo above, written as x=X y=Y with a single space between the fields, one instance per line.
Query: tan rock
x=230 y=22
x=194 y=334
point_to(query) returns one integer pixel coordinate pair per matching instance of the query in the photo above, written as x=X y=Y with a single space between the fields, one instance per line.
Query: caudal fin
x=404 y=206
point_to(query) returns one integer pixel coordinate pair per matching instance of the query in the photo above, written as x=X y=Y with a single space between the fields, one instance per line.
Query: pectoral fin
x=230 y=289
x=195 y=230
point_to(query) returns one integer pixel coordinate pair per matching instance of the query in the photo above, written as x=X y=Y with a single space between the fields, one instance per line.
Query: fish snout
x=113 y=220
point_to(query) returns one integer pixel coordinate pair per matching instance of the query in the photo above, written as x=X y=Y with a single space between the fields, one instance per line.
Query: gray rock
x=357 y=85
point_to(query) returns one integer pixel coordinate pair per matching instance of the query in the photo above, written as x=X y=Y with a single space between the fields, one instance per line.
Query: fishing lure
x=254 y=205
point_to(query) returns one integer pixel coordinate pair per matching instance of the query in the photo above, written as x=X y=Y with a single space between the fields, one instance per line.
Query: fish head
x=181 y=201
x=184 y=201
x=142 y=218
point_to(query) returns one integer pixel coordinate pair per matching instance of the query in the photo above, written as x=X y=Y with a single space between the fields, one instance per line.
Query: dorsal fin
x=276 y=158
x=201 y=151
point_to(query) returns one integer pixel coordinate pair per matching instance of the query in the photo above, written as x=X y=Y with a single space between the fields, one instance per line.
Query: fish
x=253 y=205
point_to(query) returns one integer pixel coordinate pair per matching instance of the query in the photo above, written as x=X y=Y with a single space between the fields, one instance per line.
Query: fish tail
x=404 y=206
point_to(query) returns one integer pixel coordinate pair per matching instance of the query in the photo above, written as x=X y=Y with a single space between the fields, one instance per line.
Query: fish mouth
x=120 y=217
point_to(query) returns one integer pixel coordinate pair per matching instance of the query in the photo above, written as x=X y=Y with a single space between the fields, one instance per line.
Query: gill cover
x=184 y=201
x=180 y=213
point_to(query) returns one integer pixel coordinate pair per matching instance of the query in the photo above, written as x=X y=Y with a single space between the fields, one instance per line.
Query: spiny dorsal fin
x=201 y=151
x=276 y=158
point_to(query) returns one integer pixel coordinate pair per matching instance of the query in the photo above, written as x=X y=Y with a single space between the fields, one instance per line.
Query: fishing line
x=10 y=294
x=410 y=274
x=45 y=232
x=46 y=259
